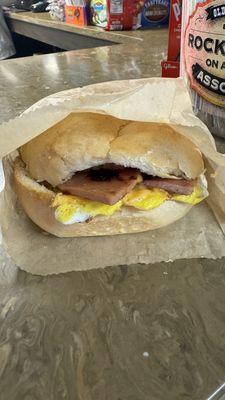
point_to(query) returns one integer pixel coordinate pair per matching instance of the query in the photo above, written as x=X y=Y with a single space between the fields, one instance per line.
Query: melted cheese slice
x=194 y=198
x=145 y=199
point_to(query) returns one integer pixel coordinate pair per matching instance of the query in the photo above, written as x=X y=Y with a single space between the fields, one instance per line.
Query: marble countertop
x=44 y=19
x=23 y=81
x=123 y=333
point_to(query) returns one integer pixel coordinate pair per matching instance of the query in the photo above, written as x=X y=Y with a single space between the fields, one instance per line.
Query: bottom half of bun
x=36 y=200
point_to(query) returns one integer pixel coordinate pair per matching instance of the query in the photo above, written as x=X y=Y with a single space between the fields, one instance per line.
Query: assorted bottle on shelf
x=113 y=14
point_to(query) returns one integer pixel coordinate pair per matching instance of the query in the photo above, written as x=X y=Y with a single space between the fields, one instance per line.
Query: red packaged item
x=175 y=30
x=170 y=67
x=116 y=14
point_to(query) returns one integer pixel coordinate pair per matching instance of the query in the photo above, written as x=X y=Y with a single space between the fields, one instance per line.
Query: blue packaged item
x=155 y=13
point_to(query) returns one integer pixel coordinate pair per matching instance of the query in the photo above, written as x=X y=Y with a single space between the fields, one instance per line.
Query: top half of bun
x=84 y=140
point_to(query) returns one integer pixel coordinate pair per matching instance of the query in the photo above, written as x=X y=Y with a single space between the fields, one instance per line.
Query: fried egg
x=73 y=209
x=69 y=215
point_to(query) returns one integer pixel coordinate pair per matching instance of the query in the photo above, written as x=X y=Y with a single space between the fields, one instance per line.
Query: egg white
x=77 y=216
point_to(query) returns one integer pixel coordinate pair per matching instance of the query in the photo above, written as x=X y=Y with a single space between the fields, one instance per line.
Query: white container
x=203 y=59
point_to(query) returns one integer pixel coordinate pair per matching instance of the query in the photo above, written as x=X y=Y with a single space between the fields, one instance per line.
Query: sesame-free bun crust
x=36 y=200
x=78 y=142
x=84 y=140
x=156 y=149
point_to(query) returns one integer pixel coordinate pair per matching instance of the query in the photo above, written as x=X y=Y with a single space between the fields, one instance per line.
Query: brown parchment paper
x=198 y=234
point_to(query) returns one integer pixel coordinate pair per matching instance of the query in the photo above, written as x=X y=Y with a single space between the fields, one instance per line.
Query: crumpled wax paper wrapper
x=199 y=234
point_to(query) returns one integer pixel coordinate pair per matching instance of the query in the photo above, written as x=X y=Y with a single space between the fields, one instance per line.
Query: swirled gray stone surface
x=137 y=333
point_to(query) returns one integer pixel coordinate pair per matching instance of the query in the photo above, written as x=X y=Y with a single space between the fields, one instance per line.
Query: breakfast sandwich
x=92 y=174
